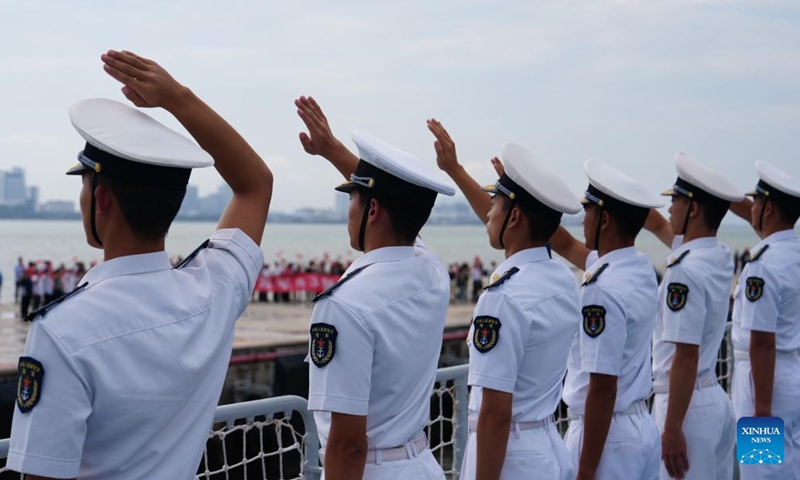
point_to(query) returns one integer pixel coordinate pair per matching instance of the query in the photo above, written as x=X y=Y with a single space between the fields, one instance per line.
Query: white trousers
x=632 y=450
x=785 y=404
x=710 y=431
x=538 y=453
x=422 y=467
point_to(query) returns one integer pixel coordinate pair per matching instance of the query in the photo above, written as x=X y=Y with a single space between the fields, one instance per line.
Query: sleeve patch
x=486 y=333
x=594 y=320
x=755 y=288
x=323 y=344
x=29 y=383
x=676 y=296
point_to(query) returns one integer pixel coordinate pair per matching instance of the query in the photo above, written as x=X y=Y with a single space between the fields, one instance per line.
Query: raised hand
x=320 y=139
x=498 y=166
x=446 y=157
x=146 y=83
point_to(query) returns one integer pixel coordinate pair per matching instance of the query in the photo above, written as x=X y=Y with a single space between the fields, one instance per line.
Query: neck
x=700 y=233
x=115 y=248
x=383 y=241
x=608 y=245
x=519 y=245
x=770 y=228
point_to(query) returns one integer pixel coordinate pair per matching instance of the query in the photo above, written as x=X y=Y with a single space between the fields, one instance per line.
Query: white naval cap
x=386 y=169
x=528 y=180
x=610 y=188
x=701 y=183
x=774 y=182
x=130 y=146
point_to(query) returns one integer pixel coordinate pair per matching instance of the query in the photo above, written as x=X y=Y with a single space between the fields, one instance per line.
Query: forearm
x=343 y=159
x=345 y=462
x=682 y=378
x=762 y=362
x=492 y=444
x=568 y=247
x=238 y=164
x=596 y=423
x=660 y=227
x=479 y=200
x=742 y=209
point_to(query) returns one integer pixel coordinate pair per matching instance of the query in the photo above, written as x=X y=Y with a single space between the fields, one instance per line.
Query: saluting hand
x=674 y=453
x=446 y=157
x=147 y=84
x=320 y=139
x=498 y=166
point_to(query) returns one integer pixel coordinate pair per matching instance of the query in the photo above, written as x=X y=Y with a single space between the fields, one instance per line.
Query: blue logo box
x=759 y=441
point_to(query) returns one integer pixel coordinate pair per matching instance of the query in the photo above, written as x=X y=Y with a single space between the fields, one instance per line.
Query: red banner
x=301 y=282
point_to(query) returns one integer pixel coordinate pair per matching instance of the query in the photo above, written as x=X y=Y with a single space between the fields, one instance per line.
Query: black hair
x=543 y=220
x=713 y=213
x=406 y=218
x=148 y=210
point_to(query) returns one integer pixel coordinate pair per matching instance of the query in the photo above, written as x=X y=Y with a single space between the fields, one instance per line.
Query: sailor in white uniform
x=692 y=411
x=523 y=323
x=766 y=319
x=120 y=378
x=376 y=335
x=611 y=434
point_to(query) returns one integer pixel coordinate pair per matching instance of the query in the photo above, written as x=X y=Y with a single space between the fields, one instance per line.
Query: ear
x=695 y=210
x=605 y=220
x=516 y=216
x=104 y=198
x=769 y=209
x=375 y=211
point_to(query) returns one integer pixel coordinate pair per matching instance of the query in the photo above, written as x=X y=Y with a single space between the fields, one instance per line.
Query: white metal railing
x=277 y=437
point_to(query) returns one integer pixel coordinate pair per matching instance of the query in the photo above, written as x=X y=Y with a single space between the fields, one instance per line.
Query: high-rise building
x=342 y=203
x=14 y=191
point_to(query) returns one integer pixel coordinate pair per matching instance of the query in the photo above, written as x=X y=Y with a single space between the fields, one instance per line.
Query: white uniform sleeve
x=603 y=333
x=48 y=439
x=497 y=341
x=761 y=300
x=232 y=250
x=340 y=374
x=683 y=307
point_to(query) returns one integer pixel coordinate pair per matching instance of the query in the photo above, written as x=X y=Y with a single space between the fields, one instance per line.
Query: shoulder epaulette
x=595 y=275
x=338 y=284
x=758 y=254
x=40 y=312
x=191 y=256
x=503 y=278
x=678 y=259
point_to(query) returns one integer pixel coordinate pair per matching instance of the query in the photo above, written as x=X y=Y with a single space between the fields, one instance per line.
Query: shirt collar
x=697 y=243
x=382 y=255
x=775 y=238
x=128 y=265
x=615 y=256
x=529 y=255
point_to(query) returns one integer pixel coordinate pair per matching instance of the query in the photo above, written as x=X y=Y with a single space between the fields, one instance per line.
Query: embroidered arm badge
x=594 y=320
x=676 y=296
x=486 y=333
x=322 y=347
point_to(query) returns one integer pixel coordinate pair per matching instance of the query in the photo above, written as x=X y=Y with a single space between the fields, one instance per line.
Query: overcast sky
x=630 y=82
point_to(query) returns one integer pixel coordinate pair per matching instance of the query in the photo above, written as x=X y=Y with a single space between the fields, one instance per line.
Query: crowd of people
x=38 y=283
x=296 y=282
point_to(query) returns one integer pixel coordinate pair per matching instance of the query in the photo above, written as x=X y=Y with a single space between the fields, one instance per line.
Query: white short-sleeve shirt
x=133 y=365
x=521 y=332
x=767 y=297
x=619 y=303
x=693 y=304
x=375 y=344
